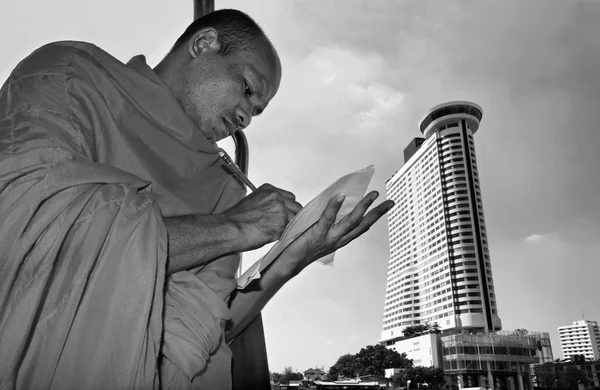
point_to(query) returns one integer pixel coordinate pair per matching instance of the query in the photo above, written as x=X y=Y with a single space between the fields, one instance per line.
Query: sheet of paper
x=354 y=185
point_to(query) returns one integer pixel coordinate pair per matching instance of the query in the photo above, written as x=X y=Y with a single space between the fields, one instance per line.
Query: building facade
x=439 y=269
x=490 y=360
x=580 y=338
x=424 y=350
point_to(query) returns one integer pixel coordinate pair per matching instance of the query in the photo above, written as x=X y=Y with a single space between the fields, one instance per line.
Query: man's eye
x=248 y=90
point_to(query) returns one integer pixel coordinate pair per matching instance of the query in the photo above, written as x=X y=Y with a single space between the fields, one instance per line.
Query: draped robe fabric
x=93 y=155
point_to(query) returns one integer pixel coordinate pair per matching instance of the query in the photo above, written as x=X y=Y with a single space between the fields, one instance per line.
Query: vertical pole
x=203 y=7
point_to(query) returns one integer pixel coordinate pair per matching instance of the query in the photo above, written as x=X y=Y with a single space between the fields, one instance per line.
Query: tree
x=572 y=376
x=432 y=376
x=545 y=374
x=421 y=329
x=343 y=367
x=371 y=360
x=276 y=377
x=287 y=376
x=415 y=330
x=521 y=332
x=434 y=328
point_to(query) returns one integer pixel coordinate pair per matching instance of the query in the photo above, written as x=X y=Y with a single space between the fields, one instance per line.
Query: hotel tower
x=439 y=269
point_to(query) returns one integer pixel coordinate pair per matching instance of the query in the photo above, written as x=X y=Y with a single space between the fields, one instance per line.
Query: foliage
x=434 y=377
x=553 y=375
x=420 y=329
x=276 y=377
x=521 y=332
x=545 y=374
x=286 y=376
x=572 y=376
x=371 y=360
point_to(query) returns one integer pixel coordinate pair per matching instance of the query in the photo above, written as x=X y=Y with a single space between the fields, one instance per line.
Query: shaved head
x=237 y=31
x=223 y=70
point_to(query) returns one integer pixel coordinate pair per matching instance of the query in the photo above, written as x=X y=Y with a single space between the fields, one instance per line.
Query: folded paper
x=353 y=185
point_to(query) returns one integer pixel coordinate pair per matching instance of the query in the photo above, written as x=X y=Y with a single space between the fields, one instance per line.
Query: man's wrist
x=288 y=265
x=230 y=231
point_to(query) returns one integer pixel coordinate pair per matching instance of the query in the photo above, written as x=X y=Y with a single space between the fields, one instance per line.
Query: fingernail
x=340 y=198
x=390 y=205
x=374 y=196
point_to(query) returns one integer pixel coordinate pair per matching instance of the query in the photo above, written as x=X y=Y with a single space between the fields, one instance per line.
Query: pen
x=236 y=169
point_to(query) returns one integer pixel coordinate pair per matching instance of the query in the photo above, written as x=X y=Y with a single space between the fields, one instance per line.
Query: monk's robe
x=93 y=155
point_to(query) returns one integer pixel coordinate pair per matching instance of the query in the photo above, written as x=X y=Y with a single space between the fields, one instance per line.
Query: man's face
x=221 y=94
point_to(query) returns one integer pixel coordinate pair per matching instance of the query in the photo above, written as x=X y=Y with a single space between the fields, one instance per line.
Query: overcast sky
x=357 y=77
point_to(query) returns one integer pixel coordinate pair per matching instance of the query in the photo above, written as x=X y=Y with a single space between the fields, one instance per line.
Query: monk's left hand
x=326 y=236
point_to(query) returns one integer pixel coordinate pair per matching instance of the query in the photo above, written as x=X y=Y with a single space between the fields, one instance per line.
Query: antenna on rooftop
x=582 y=316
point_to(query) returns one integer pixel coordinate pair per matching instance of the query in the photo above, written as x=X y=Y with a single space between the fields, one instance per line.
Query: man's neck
x=169 y=70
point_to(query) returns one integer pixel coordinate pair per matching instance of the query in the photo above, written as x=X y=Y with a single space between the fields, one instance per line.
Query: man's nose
x=243 y=118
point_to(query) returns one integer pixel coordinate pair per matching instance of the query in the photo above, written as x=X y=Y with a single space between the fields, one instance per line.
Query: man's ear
x=205 y=40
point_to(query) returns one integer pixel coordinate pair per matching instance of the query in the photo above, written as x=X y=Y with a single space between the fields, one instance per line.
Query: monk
x=120 y=229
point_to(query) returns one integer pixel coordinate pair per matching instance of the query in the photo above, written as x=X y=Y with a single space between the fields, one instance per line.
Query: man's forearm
x=248 y=303
x=197 y=239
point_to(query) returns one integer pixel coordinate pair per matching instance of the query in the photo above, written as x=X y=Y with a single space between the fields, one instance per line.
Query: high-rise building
x=580 y=338
x=439 y=269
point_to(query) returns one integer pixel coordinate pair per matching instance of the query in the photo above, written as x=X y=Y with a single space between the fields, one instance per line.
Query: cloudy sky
x=357 y=78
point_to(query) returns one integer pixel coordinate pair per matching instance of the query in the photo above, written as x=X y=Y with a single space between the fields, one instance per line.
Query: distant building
x=544 y=346
x=550 y=375
x=439 y=269
x=350 y=384
x=380 y=380
x=314 y=373
x=390 y=372
x=580 y=338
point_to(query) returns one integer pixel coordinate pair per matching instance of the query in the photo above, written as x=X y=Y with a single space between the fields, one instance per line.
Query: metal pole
x=203 y=7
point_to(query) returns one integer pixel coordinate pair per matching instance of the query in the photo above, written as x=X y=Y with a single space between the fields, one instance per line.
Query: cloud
x=329 y=342
x=333 y=90
x=354 y=338
x=379 y=103
x=534 y=238
x=547 y=238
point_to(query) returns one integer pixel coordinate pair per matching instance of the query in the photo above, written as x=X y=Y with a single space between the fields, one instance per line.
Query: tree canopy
x=434 y=377
x=286 y=376
x=370 y=360
x=571 y=377
x=420 y=329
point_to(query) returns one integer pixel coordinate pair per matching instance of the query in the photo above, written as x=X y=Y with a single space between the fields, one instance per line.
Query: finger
x=328 y=217
x=293 y=206
x=286 y=194
x=353 y=219
x=365 y=224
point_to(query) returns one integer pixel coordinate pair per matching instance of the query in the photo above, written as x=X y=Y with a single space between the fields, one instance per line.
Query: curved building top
x=447 y=112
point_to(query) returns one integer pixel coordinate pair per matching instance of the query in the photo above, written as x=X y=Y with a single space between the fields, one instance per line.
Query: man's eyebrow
x=262 y=80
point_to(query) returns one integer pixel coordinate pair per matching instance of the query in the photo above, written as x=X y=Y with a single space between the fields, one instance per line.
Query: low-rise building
x=498 y=360
x=314 y=374
x=495 y=360
x=424 y=350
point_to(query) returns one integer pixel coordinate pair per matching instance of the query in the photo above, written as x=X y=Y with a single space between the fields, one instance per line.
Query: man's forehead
x=264 y=70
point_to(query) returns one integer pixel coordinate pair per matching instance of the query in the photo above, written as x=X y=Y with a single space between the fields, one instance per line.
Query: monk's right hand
x=263 y=215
